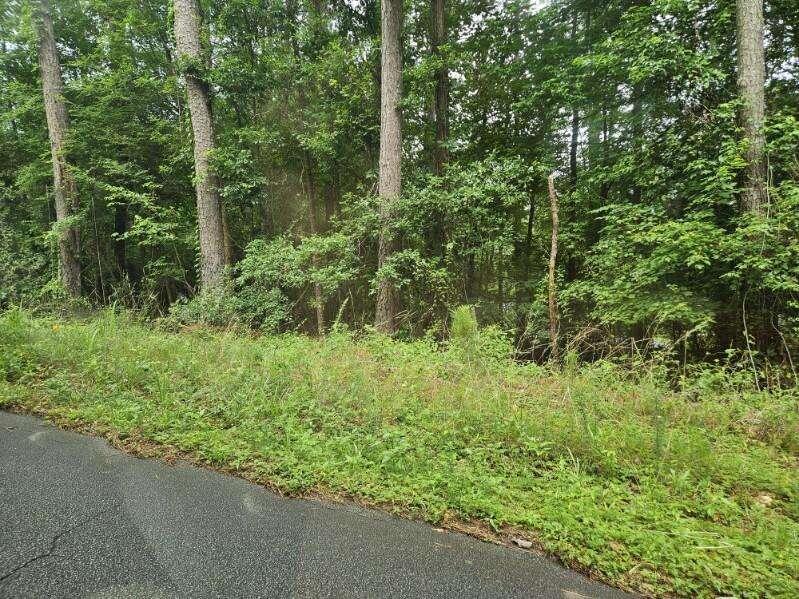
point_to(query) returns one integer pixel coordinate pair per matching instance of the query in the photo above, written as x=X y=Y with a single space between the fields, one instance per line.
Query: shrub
x=487 y=346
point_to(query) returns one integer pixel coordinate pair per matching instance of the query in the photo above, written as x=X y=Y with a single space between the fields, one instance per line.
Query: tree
x=494 y=96
x=210 y=221
x=390 y=175
x=313 y=225
x=438 y=37
x=751 y=78
x=64 y=188
x=554 y=318
x=575 y=124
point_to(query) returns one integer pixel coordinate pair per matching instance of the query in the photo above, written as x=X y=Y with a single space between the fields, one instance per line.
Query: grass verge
x=692 y=493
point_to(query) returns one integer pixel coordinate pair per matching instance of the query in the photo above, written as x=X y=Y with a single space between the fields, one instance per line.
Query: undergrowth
x=691 y=492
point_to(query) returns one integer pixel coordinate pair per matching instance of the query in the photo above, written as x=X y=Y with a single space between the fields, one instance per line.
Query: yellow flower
x=56 y=327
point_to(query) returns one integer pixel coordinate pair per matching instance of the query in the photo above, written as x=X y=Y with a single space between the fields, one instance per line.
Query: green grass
x=691 y=493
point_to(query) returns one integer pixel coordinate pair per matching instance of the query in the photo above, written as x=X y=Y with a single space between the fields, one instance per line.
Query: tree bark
x=438 y=37
x=120 y=245
x=65 y=190
x=553 y=256
x=389 y=178
x=528 y=239
x=575 y=124
x=439 y=116
x=573 y=146
x=209 y=207
x=313 y=225
x=751 y=81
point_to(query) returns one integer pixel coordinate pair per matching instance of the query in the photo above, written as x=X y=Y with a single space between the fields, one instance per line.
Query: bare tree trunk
x=390 y=179
x=439 y=116
x=751 y=81
x=604 y=190
x=313 y=195
x=209 y=207
x=120 y=245
x=308 y=163
x=553 y=256
x=438 y=36
x=575 y=117
x=754 y=196
x=573 y=146
x=637 y=132
x=66 y=197
x=528 y=239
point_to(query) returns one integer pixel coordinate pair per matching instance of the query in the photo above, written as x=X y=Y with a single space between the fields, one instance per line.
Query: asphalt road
x=81 y=519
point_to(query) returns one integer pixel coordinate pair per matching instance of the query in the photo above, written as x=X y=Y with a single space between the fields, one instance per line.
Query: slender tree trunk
x=501 y=285
x=438 y=36
x=390 y=181
x=120 y=245
x=636 y=143
x=10 y=105
x=331 y=199
x=64 y=188
x=267 y=224
x=472 y=287
x=553 y=256
x=313 y=196
x=228 y=237
x=308 y=165
x=573 y=146
x=751 y=81
x=528 y=239
x=209 y=207
x=440 y=115
x=604 y=190
x=575 y=116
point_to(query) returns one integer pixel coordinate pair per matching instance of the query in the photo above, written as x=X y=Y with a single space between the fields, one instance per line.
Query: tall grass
x=693 y=493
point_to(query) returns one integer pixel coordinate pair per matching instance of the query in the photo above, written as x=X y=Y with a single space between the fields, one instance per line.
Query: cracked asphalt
x=81 y=519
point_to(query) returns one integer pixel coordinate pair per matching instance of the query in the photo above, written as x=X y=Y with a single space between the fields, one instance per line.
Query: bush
x=464 y=329
x=216 y=307
x=268 y=283
x=489 y=346
x=15 y=359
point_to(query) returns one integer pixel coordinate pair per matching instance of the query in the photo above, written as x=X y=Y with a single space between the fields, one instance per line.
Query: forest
x=520 y=268
x=258 y=163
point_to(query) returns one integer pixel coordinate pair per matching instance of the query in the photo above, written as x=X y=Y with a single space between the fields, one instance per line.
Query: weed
x=691 y=492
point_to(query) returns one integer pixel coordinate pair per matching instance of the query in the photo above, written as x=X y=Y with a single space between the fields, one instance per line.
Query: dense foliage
x=633 y=104
x=676 y=477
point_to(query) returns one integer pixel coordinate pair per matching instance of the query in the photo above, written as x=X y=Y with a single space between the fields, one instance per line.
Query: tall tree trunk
x=751 y=81
x=528 y=238
x=554 y=320
x=754 y=198
x=604 y=190
x=637 y=145
x=573 y=146
x=390 y=179
x=575 y=114
x=438 y=37
x=440 y=115
x=120 y=245
x=209 y=207
x=65 y=191
x=308 y=162
x=313 y=201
